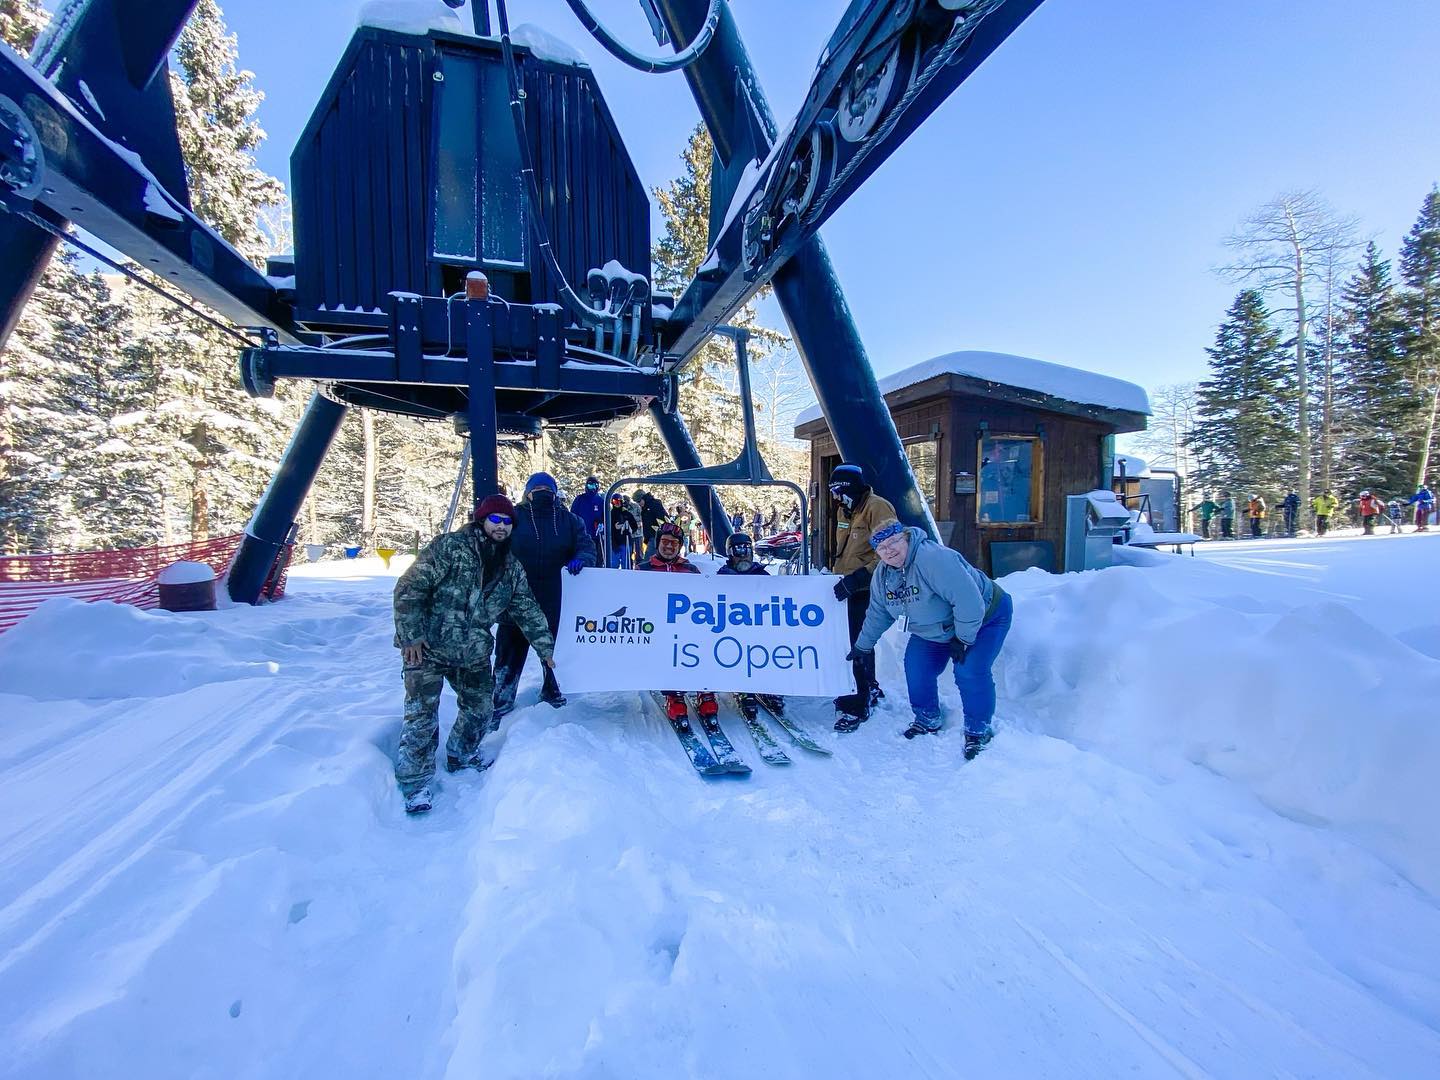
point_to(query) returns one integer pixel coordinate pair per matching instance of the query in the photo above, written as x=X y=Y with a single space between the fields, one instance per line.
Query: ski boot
x=676 y=711
x=709 y=710
x=558 y=701
x=417 y=802
x=976 y=743
x=771 y=703
x=917 y=728
x=851 y=710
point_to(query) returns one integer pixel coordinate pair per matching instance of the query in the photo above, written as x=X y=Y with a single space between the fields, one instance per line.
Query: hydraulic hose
x=651 y=64
x=588 y=315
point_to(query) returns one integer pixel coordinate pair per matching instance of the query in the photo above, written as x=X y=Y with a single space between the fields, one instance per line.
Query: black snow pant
x=864 y=668
x=1289 y=522
x=1255 y=524
x=512 y=648
x=1205 y=528
x=1322 y=523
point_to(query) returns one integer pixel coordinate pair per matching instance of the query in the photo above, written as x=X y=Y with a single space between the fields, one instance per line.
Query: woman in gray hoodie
x=953 y=613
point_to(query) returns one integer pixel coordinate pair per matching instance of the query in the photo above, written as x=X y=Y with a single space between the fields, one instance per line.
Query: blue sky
x=1069 y=201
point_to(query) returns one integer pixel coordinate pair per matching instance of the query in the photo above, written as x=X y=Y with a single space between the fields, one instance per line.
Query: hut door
x=824 y=511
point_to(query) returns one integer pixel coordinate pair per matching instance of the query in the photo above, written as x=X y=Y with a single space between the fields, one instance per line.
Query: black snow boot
x=975 y=743
x=851 y=710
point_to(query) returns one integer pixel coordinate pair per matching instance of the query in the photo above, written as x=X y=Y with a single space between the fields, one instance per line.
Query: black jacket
x=546 y=537
x=623 y=527
x=755 y=568
x=652 y=514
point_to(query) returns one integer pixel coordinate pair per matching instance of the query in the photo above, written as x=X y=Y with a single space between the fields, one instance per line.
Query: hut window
x=924 y=459
x=1009 y=485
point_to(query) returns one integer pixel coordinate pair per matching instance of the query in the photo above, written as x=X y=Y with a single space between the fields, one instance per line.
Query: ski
x=695 y=749
x=776 y=708
x=725 y=752
x=765 y=743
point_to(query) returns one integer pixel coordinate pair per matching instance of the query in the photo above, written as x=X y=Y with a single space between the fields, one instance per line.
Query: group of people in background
x=492 y=589
x=1370 y=509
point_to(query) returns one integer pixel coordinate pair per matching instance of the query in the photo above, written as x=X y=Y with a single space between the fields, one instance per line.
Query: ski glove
x=853 y=582
x=574 y=566
x=857 y=653
x=958 y=649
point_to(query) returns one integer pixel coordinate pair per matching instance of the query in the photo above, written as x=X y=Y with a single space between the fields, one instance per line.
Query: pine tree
x=1373 y=408
x=215 y=107
x=1420 y=270
x=20 y=23
x=1244 y=440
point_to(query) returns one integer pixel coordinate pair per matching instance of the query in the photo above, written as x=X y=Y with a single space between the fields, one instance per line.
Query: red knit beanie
x=494 y=504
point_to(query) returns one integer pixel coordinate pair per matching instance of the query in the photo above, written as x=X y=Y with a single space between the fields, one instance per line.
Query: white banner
x=630 y=630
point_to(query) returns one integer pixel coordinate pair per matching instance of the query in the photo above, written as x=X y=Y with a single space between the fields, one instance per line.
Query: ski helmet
x=738 y=543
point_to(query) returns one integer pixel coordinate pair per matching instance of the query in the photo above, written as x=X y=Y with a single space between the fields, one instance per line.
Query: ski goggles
x=592 y=487
x=672 y=530
x=500 y=519
x=740 y=549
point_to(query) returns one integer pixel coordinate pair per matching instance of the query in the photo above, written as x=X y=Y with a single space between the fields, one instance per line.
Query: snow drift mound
x=1309 y=706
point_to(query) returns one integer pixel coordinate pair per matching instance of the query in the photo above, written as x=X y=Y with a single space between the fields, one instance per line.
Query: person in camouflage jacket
x=445 y=606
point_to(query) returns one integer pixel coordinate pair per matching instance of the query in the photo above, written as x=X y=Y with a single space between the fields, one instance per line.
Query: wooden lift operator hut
x=996 y=443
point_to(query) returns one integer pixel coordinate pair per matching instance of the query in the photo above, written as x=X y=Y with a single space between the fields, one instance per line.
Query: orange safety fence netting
x=125 y=576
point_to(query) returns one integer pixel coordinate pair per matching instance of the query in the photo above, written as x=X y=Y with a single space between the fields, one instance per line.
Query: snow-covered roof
x=422 y=16
x=1135 y=466
x=1056 y=380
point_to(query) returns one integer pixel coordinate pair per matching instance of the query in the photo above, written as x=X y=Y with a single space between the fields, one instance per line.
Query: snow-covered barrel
x=187 y=586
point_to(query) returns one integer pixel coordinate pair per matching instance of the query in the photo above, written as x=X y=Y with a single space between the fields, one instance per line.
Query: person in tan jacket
x=861 y=513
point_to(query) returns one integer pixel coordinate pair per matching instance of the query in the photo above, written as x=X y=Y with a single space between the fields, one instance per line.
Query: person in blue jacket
x=740 y=559
x=954 y=614
x=1424 y=503
x=547 y=539
x=589 y=507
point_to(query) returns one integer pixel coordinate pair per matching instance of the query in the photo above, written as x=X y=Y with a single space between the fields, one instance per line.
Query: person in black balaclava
x=547 y=539
x=861 y=511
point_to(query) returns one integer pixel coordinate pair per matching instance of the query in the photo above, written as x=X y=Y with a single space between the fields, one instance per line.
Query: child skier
x=1395 y=513
x=667 y=559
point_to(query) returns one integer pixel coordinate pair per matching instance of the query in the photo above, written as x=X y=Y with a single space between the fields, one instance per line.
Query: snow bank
x=1056 y=380
x=1170 y=661
x=68 y=649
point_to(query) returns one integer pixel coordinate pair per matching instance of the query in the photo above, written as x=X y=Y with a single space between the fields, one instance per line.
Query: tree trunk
x=1428 y=438
x=200 y=506
x=367 y=503
x=1302 y=387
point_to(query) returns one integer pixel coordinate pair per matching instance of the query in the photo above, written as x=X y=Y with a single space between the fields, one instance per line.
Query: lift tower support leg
x=807 y=288
x=280 y=505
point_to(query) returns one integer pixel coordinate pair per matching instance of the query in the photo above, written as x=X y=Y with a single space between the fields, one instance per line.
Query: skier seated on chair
x=954 y=614
x=668 y=560
x=547 y=539
x=445 y=604
x=740 y=559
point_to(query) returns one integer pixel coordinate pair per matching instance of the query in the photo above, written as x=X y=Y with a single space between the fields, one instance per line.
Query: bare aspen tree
x=371 y=467
x=1282 y=249
x=1165 y=442
x=1332 y=263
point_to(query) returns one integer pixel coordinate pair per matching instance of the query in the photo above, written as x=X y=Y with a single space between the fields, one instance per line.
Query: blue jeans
x=925 y=660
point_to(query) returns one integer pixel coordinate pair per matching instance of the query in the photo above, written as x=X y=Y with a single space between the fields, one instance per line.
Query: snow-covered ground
x=1202 y=844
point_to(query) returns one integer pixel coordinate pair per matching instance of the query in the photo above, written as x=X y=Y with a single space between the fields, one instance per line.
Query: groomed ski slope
x=1203 y=844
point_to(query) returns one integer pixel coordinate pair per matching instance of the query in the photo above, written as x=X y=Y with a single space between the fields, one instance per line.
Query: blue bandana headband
x=885 y=532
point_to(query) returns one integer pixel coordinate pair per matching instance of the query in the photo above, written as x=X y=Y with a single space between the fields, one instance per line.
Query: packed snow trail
x=1179 y=857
